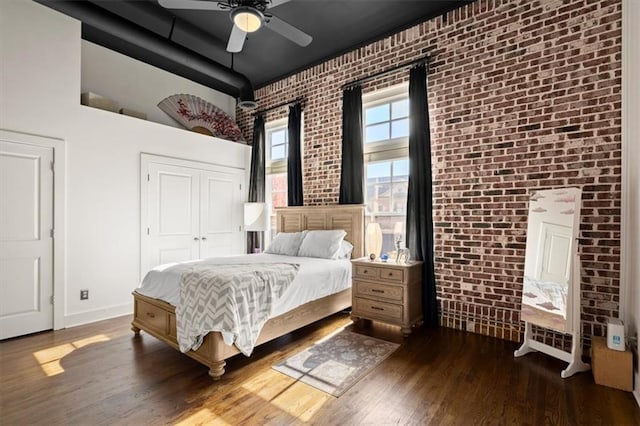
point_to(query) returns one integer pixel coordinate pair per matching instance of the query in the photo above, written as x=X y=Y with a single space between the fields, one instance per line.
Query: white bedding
x=316 y=279
x=547 y=296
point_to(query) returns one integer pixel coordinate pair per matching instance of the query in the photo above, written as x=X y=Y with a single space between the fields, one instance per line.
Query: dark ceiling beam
x=109 y=30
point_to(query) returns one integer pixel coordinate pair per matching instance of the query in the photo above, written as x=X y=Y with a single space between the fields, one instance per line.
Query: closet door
x=220 y=214
x=173 y=214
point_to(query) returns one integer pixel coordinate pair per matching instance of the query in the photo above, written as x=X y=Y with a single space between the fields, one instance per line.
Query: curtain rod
x=280 y=105
x=423 y=60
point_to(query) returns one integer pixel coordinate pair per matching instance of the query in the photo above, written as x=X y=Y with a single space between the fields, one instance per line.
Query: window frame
x=387 y=149
x=279 y=165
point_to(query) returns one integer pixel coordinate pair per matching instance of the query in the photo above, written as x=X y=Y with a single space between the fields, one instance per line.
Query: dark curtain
x=352 y=171
x=419 y=197
x=294 y=160
x=256 y=178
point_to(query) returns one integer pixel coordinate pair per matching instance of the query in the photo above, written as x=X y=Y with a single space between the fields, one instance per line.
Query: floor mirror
x=551 y=287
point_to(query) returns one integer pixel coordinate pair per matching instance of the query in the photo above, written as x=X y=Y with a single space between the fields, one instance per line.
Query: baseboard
x=100 y=314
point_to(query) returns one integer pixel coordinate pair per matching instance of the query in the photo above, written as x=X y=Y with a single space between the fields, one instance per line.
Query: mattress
x=316 y=278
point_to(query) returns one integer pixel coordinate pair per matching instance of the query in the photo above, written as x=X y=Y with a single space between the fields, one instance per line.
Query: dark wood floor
x=100 y=374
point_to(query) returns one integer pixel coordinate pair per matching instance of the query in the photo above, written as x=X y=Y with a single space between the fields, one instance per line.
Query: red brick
x=523 y=95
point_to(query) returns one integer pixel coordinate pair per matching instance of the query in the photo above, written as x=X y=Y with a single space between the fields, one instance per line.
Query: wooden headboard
x=349 y=217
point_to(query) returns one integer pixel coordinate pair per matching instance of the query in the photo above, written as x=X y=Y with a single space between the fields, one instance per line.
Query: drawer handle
x=390 y=274
x=375 y=290
x=365 y=271
x=377 y=308
x=151 y=315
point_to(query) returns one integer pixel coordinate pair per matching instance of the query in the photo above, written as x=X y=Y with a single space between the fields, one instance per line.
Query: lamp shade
x=373 y=238
x=256 y=216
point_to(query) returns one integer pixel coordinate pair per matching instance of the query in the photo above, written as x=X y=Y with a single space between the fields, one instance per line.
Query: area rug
x=336 y=363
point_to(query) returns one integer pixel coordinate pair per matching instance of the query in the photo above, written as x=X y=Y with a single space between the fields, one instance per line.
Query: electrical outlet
x=84 y=294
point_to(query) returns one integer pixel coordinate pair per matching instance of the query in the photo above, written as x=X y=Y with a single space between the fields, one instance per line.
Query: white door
x=26 y=243
x=173 y=208
x=189 y=210
x=555 y=256
x=220 y=214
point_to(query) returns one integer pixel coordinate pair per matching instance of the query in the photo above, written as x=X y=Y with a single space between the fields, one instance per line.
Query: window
x=386 y=150
x=277 y=138
x=387 y=121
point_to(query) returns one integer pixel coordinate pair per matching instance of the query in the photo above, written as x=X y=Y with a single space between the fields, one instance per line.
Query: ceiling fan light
x=247 y=19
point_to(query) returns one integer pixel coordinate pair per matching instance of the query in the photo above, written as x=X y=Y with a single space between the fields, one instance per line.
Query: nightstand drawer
x=366 y=271
x=379 y=291
x=152 y=316
x=377 y=310
x=389 y=274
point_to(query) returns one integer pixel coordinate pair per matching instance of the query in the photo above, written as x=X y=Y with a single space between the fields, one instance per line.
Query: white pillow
x=324 y=244
x=286 y=243
x=344 y=252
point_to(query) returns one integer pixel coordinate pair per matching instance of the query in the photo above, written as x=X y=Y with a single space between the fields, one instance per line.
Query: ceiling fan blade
x=191 y=4
x=236 y=40
x=289 y=31
x=275 y=3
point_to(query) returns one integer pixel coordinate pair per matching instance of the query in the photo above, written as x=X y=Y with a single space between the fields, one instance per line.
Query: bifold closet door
x=189 y=211
x=174 y=214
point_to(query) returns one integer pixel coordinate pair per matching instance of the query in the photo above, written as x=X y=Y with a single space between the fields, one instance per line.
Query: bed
x=158 y=317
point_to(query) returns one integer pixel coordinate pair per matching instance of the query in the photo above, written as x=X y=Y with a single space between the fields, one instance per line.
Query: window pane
x=400 y=109
x=377 y=114
x=400 y=128
x=401 y=169
x=278 y=136
x=377 y=132
x=387 y=183
x=278 y=152
x=276 y=195
x=279 y=190
x=378 y=170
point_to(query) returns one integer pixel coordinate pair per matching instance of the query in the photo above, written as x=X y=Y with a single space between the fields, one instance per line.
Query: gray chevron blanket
x=233 y=299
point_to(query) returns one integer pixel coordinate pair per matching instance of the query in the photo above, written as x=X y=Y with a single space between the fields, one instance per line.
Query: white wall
x=139 y=86
x=40 y=74
x=631 y=178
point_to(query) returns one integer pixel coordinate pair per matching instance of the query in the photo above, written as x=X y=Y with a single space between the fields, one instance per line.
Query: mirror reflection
x=554 y=217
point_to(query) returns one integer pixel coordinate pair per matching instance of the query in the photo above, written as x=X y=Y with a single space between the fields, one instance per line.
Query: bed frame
x=158 y=318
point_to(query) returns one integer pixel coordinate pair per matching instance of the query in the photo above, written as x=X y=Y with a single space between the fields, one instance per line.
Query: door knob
x=195 y=238
x=204 y=238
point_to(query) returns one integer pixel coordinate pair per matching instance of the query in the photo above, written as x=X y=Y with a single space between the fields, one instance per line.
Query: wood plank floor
x=99 y=374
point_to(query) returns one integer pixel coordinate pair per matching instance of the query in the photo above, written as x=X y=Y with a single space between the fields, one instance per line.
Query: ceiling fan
x=247 y=16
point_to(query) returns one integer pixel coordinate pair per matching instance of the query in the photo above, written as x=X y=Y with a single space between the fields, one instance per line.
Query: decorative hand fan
x=200 y=116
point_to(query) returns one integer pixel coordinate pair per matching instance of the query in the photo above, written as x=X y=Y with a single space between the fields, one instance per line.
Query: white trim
x=59 y=218
x=389 y=92
x=625 y=210
x=628 y=310
x=93 y=315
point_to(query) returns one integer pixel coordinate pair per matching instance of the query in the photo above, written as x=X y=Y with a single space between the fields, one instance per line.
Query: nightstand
x=387 y=291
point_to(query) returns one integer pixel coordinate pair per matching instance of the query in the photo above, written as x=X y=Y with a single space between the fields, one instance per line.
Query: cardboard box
x=611 y=368
x=96 y=101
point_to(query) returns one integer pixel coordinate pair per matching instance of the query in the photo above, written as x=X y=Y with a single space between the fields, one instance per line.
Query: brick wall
x=523 y=95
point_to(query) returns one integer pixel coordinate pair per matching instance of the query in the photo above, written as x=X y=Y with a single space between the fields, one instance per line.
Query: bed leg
x=135 y=330
x=216 y=369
